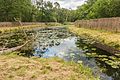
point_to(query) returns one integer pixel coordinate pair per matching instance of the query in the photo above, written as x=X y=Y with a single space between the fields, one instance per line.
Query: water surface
x=59 y=42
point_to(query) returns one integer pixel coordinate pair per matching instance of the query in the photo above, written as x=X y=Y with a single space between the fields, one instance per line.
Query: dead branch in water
x=13 y=49
x=18 y=47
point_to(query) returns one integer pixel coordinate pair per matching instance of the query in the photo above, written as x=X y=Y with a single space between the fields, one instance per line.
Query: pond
x=60 y=42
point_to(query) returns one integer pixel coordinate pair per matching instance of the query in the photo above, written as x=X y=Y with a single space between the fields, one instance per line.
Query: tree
x=10 y=9
x=56 y=11
x=99 y=9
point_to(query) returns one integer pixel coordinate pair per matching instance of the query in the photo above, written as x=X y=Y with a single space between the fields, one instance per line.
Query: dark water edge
x=59 y=42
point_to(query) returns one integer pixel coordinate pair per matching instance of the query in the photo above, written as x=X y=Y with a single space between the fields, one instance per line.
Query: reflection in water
x=52 y=42
x=102 y=58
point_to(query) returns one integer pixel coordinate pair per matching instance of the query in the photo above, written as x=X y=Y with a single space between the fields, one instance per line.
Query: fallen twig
x=13 y=49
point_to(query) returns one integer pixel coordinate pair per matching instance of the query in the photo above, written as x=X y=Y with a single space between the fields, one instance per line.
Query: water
x=59 y=42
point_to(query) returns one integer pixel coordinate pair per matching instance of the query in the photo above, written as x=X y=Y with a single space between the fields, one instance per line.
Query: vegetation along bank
x=104 y=37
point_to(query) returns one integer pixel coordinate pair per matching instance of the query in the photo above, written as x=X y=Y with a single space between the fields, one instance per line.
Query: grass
x=13 y=67
x=4 y=29
x=108 y=38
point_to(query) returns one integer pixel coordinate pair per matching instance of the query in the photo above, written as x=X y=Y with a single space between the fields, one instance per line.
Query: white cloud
x=69 y=3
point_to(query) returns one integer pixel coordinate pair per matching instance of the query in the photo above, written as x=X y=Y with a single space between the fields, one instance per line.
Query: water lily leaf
x=114 y=66
x=85 y=47
x=79 y=62
x=104 y=59
x=112 y=57
x=72 y=54
x=93 y=49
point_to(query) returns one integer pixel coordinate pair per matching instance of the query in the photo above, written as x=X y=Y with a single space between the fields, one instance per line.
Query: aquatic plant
x=108 y=38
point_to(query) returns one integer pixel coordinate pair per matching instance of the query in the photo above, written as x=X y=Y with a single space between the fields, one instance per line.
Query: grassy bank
x=13 y=67
x=108 y=38
x=4 y=29
x=8 y=29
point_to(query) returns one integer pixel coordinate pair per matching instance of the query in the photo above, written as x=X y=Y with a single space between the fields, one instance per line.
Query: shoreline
x=107 y=39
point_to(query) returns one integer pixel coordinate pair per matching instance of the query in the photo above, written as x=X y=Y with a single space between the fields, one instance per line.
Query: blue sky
x=69 y=3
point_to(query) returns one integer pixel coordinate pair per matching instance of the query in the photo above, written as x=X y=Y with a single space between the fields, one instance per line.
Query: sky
x=69 y=4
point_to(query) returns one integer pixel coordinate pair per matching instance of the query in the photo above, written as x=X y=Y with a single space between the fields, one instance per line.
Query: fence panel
x=109 y=24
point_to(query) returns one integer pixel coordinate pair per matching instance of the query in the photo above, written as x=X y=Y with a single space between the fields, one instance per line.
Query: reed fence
x=109 y=24
x=12 y=24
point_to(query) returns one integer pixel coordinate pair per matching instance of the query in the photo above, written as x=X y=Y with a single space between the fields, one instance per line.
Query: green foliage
x=40 y=11
x=46 y=11
x=20 y=9
x=99 y=9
